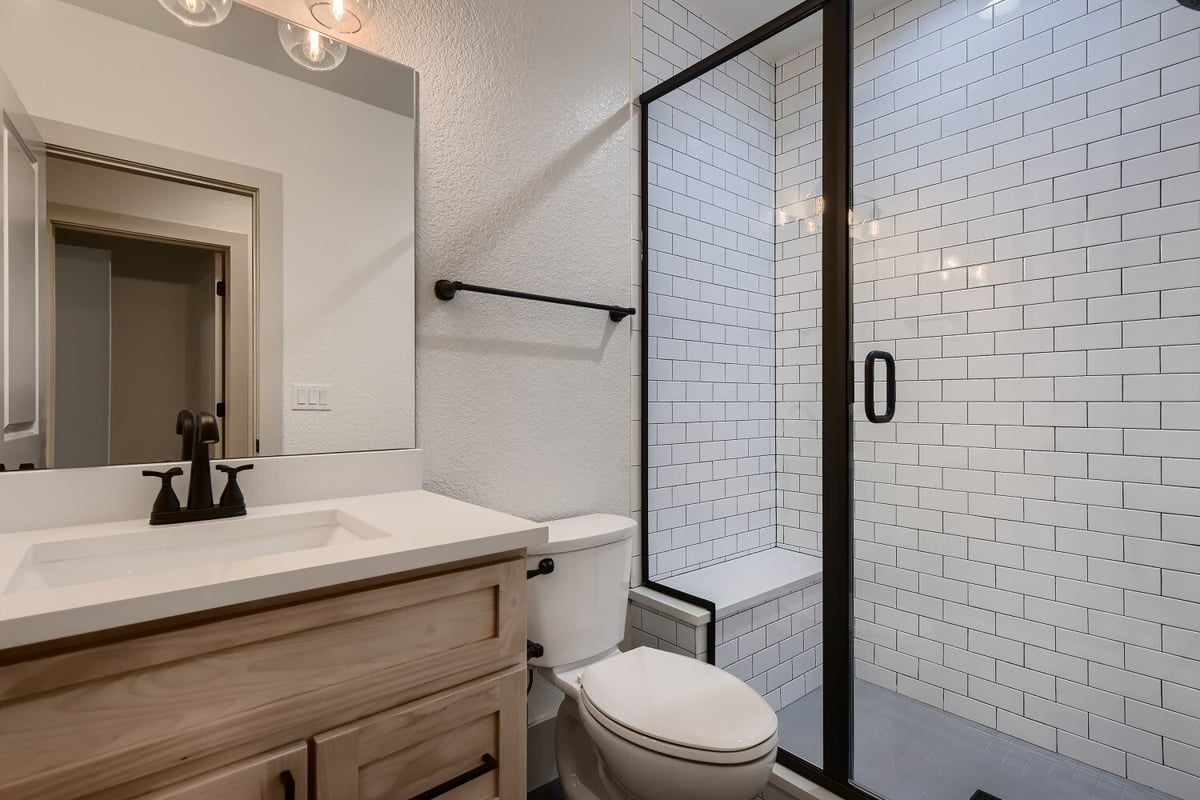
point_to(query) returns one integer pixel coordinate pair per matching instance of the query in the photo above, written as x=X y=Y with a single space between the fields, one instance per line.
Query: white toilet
x=644 y=724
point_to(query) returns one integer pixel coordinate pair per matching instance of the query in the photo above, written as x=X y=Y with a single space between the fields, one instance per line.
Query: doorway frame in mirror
x=241 y=367
x=265 y=189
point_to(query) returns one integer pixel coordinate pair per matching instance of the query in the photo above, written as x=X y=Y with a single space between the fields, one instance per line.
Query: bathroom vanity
x=377 y=651
x=352 y=636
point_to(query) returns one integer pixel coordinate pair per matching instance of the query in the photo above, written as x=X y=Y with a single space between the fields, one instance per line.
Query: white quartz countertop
x=410 y=530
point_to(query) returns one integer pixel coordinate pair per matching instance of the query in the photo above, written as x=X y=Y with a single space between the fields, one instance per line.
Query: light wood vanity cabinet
x=450 y=741
x=279 y=775
x=383 y=690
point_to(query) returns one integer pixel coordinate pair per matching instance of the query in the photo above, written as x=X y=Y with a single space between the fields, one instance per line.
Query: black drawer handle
x=289 y=784
x=869 y=379
x=487 y=766
x=544 y=567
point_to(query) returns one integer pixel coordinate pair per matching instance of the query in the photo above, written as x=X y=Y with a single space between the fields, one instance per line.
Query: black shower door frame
x=837 y=379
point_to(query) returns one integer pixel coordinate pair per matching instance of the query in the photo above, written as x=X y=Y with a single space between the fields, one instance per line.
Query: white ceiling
x=739 y=17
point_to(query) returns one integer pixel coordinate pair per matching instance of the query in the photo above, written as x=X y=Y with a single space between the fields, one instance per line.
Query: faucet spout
x=185 y=428
x=207 y=432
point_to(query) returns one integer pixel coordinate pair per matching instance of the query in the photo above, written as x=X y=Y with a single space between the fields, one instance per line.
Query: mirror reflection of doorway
x=152 y=298
x=140 y=323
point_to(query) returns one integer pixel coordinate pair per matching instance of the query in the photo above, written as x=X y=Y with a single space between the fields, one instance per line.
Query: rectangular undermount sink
x=70 y=562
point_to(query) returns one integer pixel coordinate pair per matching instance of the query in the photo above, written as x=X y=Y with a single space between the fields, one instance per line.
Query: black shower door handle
x=869 y=378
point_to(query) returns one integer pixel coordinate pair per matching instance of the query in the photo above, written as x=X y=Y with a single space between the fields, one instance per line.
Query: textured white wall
x=524 y=176
x=523 y=182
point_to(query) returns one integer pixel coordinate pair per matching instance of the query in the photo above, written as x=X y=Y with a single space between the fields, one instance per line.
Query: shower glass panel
x=733 y=347
x=1027 y=537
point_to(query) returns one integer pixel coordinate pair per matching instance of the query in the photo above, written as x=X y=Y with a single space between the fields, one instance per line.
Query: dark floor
x=551 y=791
x=906 y=750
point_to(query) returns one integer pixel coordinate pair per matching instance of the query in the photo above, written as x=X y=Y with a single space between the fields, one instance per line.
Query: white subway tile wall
x=798 y=298
x=648 y=627
x=775 y=646
x=1027 y=243
x=711 y=315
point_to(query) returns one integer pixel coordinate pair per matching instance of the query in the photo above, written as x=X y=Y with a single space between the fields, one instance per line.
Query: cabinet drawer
x=280 y=775
x=441 y=746
x=112 y=714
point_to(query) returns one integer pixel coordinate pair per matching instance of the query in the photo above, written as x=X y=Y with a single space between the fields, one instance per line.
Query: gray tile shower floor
x=906 y=750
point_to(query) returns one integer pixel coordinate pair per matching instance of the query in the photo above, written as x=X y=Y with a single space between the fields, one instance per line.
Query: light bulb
x=342 y=16
x=310 y=49
x=198 y=13
x=314 y=49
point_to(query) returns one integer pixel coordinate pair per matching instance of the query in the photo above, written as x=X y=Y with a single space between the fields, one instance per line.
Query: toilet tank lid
x=581 y=533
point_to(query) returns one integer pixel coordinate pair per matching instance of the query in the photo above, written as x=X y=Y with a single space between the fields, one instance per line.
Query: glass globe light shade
x=198 y=13
x=309 y=49
x=342 y=16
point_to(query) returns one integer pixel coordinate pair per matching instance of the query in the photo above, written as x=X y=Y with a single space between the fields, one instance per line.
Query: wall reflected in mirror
x=196 y=221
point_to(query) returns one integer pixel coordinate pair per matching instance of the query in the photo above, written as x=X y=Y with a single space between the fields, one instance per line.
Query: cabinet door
x=467 y=743
x=278 y=775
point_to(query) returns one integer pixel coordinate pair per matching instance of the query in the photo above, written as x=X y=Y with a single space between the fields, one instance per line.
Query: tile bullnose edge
x=679 y=610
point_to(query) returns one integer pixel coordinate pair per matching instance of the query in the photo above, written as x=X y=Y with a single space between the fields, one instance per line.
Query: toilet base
x=578 y=762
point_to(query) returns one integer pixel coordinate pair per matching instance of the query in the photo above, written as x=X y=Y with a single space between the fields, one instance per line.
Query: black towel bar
x=445 y=290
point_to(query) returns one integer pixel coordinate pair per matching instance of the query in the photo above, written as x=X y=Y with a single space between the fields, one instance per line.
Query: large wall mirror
x=194 y=218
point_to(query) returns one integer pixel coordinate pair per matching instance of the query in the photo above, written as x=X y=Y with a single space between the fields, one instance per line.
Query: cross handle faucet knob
x=232 y=496
x=166 y=500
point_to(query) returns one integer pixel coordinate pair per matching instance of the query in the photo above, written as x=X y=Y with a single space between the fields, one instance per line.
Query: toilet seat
x=674 y=750
x=679 y=707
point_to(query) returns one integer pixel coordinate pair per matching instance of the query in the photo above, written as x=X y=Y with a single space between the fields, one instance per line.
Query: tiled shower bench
x=768 y=618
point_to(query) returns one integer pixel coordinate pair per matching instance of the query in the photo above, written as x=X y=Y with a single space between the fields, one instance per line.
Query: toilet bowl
x=644 y=724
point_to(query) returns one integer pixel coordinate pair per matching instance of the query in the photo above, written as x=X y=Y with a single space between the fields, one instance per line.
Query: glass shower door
x=1027 y=457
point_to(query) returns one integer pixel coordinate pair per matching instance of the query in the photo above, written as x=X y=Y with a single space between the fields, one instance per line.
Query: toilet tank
x=577 y=612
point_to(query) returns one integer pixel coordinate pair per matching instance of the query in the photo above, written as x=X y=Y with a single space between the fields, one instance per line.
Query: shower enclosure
x=983 y=217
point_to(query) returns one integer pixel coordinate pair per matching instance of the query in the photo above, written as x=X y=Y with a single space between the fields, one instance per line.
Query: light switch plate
x=312 y=397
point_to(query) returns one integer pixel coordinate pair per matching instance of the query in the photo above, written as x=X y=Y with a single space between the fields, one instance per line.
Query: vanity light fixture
x=198 y=13
x=342 y=16
x=310 y=49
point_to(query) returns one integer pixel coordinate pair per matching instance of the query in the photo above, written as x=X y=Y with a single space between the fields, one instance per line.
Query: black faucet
x=185 y=428
x=198 y=432
x=200 y=480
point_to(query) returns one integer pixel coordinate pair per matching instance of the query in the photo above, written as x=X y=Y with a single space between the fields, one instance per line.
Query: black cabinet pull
x=489 y=764
x=869 y=393
x=544 y=567
x=289 y=784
